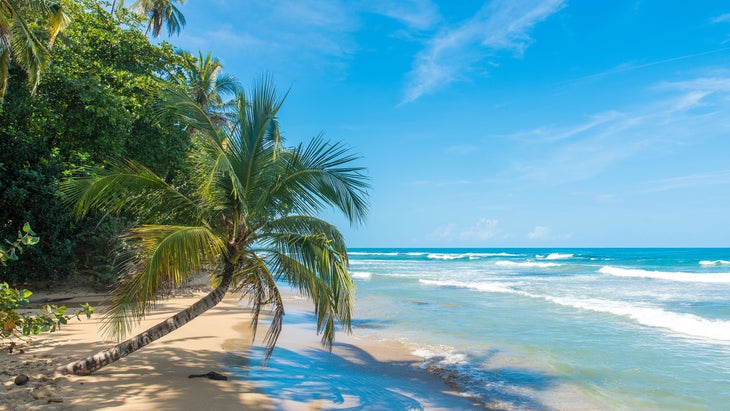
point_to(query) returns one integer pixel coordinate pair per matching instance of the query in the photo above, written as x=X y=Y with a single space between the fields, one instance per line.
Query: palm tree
x=251 y=216
x=18 y=43
x=205 y=84
x=160 y=12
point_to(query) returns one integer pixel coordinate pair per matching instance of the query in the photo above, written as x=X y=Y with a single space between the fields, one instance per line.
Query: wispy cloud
x=542 y=233
x=632 y=66
x=482 y=230
x=501 y=25
x=721 y=177
x=723 y=18
x=273 y=31
x=680 y=113
x=416 y=14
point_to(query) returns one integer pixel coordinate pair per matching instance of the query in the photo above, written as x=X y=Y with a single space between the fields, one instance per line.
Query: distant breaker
x=668 y=276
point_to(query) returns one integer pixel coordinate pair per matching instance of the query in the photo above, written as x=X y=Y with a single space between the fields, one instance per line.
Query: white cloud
x=723 y=18
x=721 y=177
x=273 y=31
x=416 y=14
x=679 y=114
x=539 y=233
x=501 y=25
x=482 y=230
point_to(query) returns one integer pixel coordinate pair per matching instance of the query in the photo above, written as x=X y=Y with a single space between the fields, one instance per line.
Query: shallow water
x=566 y=329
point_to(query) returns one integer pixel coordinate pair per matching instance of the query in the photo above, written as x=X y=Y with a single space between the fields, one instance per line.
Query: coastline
x=361 y=373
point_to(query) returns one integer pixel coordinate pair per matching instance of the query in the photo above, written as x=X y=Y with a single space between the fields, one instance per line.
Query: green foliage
x=48 y=319
x=95 y=103
x=19 y=40
x=248 y=211
x=10 y=252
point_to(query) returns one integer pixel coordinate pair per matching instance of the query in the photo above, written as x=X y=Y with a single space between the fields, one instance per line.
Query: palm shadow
x=350 y=378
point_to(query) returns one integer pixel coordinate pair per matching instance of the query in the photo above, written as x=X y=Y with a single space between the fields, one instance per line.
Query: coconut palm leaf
x=18 y=42
x=161 y=257
x=129 y=187
x=160 y=13
x=251 y=218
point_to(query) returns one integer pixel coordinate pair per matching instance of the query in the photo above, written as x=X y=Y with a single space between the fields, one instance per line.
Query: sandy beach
x=357 y=374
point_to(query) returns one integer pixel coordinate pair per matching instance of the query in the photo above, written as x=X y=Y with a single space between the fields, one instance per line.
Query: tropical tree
x=159 y=13
x=204 y=82
x=251 y=215
x=95 y=103
x=20 y=44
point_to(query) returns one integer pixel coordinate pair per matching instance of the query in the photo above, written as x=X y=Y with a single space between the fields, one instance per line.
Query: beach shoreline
x=156 y=377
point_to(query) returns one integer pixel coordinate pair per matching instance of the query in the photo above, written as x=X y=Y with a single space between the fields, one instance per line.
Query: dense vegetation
x=95 y=102
x=14 y=324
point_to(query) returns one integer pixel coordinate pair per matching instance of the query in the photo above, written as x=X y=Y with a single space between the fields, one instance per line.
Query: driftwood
x=211 y=375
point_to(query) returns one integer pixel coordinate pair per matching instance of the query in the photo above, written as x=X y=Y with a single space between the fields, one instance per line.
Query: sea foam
x=388 y=254
x=361 y=275
x=467 y=256
x=687 y=324
x=669 y=276
x=716 y=262
x=483 y=286
x=558 y=256
x=527 y=264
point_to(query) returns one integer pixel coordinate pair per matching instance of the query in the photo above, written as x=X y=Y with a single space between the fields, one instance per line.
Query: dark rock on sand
x=211 y=375
x=21 y=379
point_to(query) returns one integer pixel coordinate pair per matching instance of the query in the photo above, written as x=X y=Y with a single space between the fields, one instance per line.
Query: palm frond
x=132 y=188
x=59 y=21
x=161 y=257
x=177 y=103
x=320 y=176
x=29 y=52
x=255 y=282
x=159 y=13
x=311 y=255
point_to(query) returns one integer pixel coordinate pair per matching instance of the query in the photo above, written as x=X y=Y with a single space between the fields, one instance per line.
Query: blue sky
x=532 y=123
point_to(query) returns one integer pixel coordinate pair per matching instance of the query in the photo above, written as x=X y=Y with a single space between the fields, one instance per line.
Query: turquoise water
x=533 y=328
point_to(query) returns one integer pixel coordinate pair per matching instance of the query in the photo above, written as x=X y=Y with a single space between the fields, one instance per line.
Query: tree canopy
x=95 y=103
x=249 y=212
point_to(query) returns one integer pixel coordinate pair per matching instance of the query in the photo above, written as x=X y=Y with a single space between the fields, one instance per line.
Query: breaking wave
x=664 y=275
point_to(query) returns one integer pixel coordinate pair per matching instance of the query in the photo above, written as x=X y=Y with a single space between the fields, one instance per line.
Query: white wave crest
x=434 y=256
x=669 y=276
x=716 y=262
x=470 y=256
x=558 y=256
x=441 y=356
x=529 y=264
x=682 y=323
x=392 y=254
x=361 y=275
x=485 y=286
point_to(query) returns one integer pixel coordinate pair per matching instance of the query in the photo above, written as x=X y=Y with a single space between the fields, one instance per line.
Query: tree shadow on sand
x=349 y=378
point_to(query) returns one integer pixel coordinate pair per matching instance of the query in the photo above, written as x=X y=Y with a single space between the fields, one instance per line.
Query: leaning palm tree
x=18 y=43
x=251 y=215
x=159 y=13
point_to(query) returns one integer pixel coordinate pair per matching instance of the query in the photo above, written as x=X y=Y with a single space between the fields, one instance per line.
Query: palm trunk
x=121 y=350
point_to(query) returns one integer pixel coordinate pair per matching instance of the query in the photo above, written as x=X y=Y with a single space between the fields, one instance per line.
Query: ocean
x=532 y=329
